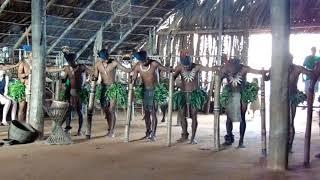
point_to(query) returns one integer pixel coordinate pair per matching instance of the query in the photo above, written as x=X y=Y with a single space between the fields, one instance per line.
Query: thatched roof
x=192 y=14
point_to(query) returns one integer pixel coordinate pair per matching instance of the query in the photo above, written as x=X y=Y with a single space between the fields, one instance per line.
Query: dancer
x=236 y=108
x=190 y=89
x=106 y=67
x=148 y=68
x=74 y=73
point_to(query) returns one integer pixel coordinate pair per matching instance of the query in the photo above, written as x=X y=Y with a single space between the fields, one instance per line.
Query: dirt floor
x=105 y=158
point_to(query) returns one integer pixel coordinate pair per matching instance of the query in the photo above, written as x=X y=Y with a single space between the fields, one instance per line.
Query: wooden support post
x=263 y=119
x=90 y=110
x=170 y=107
x=38 y=23
x=279 y=116
x=217 y=87
x=307 y=137
x=129 y=113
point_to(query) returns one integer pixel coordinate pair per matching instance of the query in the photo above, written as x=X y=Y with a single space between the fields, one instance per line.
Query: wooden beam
x=217 y=86
x=38 y=24
x=4 y=5
x=135 y=25
x=21 y=39
x=279 y=116
x=72 y=25
x=103 y=26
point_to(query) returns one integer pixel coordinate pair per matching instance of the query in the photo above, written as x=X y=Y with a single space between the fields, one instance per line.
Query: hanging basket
x=21 y=132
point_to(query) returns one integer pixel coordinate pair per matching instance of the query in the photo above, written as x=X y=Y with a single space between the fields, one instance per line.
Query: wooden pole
x=4 y=5
x=307 y=138
x=170 y=107
x=279 y=116
x=38 y=23
x=217 y=86
x=129 y=113
x=263 y=119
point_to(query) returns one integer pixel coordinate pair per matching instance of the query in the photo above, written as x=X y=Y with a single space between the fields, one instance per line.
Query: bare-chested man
x=148 y=68
x=74 y=73
x=235 y=73
x=294 y=95
x=189 y=73
x=23 y=75
x=107 y=69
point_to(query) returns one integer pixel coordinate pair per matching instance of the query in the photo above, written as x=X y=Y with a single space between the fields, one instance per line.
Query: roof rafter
x=4 y=5
x=72 y=25
x=135 y=25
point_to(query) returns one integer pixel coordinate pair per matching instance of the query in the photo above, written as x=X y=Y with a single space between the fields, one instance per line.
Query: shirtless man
x=235 y=73
x=23 y=75
x=189 y=73
x=294 y=73
x=147 y=68
x=107 y=69
x=74 y=73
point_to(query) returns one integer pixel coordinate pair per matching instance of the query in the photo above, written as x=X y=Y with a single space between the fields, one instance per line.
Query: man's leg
x=291 y=128
x=80 y=115
x=154 y=123
x=147 y=121
x=6 y=102
x=194 y=114
x=184 y=126
x=21 y=113
x=243 y=124
x=229 y=138
x=164 y=108
x=112 y=118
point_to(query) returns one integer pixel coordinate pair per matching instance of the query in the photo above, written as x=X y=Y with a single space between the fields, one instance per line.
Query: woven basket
x=21 y=132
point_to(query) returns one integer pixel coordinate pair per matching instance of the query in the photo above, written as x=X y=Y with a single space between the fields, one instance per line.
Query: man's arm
x=121 y=67
x=8 y=67
x=176 y=72
x=54 y=70
x=134 y=73
x=207 y=69
x=161 y=67
x=254 y=71
x=305 y=71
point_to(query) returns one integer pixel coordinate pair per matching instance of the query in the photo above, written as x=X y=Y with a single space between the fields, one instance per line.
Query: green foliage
x=250 y=92
x=84 y=94
x=17 y=90
x=298 y=98
x=198 y=98
x=179 y=100
x=119 y=93
x=224 y=96
x=161 y=93
x=138 y=94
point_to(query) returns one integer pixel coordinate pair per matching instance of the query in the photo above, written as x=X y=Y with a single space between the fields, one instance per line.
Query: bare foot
x=110 y=135
x=240 y=146
x=181 y=140
x=193 y=142
x=152 y=138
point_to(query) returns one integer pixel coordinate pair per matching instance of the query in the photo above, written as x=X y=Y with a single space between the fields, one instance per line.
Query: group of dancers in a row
x=147 y=69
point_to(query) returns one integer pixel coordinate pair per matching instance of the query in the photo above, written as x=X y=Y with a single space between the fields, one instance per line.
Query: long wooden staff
x=170 y=107
x=129 y=112
x=263 y=119
x=309 y=124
